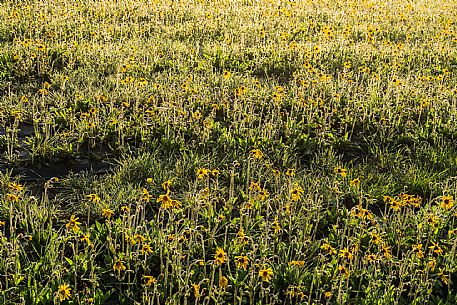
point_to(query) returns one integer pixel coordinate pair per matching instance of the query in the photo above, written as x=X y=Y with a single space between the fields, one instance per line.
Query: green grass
x=309 y=149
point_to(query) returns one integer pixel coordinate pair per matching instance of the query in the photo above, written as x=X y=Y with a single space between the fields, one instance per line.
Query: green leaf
x=69 y=261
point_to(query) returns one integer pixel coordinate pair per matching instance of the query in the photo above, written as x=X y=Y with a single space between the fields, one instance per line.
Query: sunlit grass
x=262 y=152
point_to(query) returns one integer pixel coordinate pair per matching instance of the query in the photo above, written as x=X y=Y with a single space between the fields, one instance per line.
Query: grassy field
x=248 y=152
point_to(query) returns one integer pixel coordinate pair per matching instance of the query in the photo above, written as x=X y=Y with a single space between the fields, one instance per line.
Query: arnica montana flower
x=223 y=282
x=166 y=185
x=417 y=249
x=146 y=196
x=447 y=202
x=202 y=173
x=266 y=274
x=119 y=265
x=341 y=171
x=242 y=262
x=220 y=257
x=93 y=198
x=86 y=238
x=63 y=292
x=107 y=213
x=256 y=154
x=150 y=280
x=16 y=186
x=345 y=253
x=12 y=197
x=328 y=248
x=73 y=224
x=146 y=249
x=296 y=192
x=196 y=287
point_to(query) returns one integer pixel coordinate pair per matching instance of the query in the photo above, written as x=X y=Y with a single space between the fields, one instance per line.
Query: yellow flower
x=146 y=249
x=64 y=292
x=142 y=82
x=266 y=274
x=227 y=74
x=166 y=185
x=166 y=201
x=444 y=278
x=327 y=247
x=277 y=226
x=127 y=80
x=149 y=180
x=197 y=115
x=432 y=264
x=86 y=238
x=396 y=205
x=436 y=248
x=42 y=91
x=175 y=204
x=107 y=213
x=139 y=238
x=262 y=195
x=150 y=280
x=256 y=154
x=290 y=172
x=241 y=237
x=370 y=257
x=73 y=224
x=418 y=250
x=119 y=265
x=341 y=171
x=146 y=196
x=196 y=290
x=346 y=254
x=12 y=198
x=375 y=238
x=24 y=99
x=447 y=202
x=343 y=270
x=240 y=91
x=223 y=282
x=355 y=182
x=16 y=186
x=361 y=212
x=296 y=192
x=215 y=172
x=254 y=186
x=295 y=291
x=296 y=263
x=386 y=251
x=202 y=173
x=432 y=220
x=130 y=239
x=93 y=198
x=242 y=262
x=220 y=257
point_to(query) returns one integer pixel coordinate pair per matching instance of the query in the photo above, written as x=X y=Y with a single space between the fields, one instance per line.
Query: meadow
x=247 y=152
